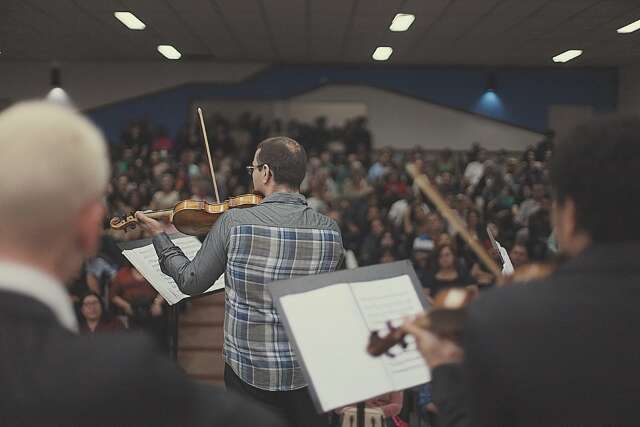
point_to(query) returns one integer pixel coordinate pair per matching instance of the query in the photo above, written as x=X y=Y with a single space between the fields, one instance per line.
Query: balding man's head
x=54 y=165
x=286 y=158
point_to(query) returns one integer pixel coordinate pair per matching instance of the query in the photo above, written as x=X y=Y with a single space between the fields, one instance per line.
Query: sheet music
x=145 y=260
x=333 y=345
x=394 y=300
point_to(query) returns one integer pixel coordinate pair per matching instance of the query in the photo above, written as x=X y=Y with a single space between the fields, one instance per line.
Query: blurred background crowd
x=382 y=214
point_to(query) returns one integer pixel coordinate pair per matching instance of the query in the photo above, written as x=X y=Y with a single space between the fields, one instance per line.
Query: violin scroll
x=445 y=319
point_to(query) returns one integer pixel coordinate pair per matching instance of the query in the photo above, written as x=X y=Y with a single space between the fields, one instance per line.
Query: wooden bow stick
x=422 y=181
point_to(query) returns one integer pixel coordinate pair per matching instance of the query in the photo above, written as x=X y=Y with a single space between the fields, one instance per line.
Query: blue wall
x=522 y=96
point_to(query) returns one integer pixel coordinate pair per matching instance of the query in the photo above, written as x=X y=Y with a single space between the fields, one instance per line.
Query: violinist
x=278 y=239
x=561 y=350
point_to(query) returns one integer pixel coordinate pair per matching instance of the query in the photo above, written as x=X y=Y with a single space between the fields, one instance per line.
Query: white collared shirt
x=34 y=283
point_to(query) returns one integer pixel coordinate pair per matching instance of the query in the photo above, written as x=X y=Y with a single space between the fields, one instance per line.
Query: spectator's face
x=519 y=256
x=445 y=260
x=154 y=157
x=167 y=183
x=472 y=219
x=123 y=184
x=387 y=257
x=377 y=228
x=434 y=224
x=444 y=240
x=387 y=240
x=91 y=309
x=538 y=192
x=421 y=258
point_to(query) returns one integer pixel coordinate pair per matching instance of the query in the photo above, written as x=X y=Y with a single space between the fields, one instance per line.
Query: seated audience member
x=446 y=273
x=519 y=255
x=54 y=171
x=94 y=318
x=139 y=302
x=167 y=196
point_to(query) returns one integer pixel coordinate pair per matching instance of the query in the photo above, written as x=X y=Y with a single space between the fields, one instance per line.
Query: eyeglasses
x=88 y=303
x=250 y=168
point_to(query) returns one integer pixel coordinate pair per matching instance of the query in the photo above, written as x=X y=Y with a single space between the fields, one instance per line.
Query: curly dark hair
x=597 y=166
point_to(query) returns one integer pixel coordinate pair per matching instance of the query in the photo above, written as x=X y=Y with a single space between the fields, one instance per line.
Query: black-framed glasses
x=250 y=168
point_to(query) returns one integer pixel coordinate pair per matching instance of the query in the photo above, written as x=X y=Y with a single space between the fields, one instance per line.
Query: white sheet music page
x=332 y=338
x=145 y=260
x=394 y=300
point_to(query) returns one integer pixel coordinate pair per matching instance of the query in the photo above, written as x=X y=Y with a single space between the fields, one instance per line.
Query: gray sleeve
x=196 y=276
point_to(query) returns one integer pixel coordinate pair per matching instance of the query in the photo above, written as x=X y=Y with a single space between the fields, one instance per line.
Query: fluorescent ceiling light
x=634 y=26
x=130 y=20
x=382 y=53
x=402 y=22
x=567 y=56
x=169 y=51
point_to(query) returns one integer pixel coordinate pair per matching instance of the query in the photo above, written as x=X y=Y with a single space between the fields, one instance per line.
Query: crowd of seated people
x=382 y=214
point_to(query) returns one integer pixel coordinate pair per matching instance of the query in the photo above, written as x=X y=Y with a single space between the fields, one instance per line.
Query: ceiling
x=452 y=32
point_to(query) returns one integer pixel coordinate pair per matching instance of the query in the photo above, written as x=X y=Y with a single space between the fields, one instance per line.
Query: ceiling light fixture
x=634 y=26
x=382 y=53
x=402 y=22
x=169 y=51
x=130 y=20
x=567 y=56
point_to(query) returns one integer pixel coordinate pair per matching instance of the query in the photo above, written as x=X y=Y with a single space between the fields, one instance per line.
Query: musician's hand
x=149 y=225
x=436 y=351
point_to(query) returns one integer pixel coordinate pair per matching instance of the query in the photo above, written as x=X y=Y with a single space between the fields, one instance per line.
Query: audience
x=94 y=317
x=383 y=216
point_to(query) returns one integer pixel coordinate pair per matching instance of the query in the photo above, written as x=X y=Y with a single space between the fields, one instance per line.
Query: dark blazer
x=564 y=351
x=50 y=376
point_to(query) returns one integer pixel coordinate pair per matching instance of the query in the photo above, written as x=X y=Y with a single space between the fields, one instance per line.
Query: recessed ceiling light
x=382 y=53
x=169 y=51
x=402 y=22
x=567 y=56
x=130 y=20
x=634 y=26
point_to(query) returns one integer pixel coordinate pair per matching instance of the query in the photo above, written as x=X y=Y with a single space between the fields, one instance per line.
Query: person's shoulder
x=503 y=306
x=326 y=222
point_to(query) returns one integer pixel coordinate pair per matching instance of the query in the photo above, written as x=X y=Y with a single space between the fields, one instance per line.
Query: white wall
x=336 y=113
x=400 y=121
x=92 y=84
x=629 y=89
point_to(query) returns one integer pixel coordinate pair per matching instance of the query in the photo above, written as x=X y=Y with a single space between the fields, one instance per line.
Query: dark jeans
x=295 y=406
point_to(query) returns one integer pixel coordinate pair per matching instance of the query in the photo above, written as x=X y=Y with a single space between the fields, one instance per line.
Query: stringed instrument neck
x=159 y=214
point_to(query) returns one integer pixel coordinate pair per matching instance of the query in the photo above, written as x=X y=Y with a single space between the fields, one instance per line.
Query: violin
x=191 y=217
x=445 y=319
x=447 y=316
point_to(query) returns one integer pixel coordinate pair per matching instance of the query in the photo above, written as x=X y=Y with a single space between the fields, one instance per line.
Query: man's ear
x=564 y=222
x=266 y=174
x=89 y=227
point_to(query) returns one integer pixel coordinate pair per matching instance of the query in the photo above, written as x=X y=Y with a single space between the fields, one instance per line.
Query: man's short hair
x=286 y=158
x=598 y=167
x=53 y=162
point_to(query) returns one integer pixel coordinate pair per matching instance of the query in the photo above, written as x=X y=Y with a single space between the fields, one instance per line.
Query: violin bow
x=422 y=181
x=206 y=142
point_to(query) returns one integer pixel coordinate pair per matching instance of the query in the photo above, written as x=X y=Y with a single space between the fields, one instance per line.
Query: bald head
x=286 y=159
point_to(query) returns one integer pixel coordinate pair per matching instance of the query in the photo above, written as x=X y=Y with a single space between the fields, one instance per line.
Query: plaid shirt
x=279 y=239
